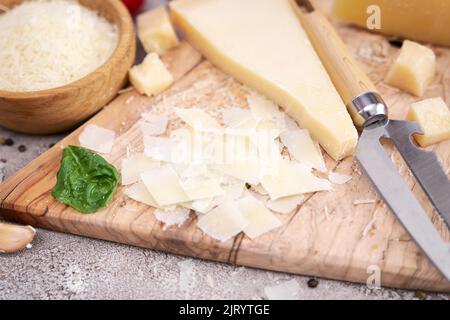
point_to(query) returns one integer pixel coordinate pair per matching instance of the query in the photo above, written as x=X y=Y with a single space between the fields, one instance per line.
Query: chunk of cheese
x=151 y=77
x=156 y=31
x=293 y=179
x=224 y=222
x=97 y=139
x=413 y=70
x=164 y=186
x=133 y=166
x=426 y=21
x=303 y=149
x=433 y=116
x=262 y=44
x=260 y=220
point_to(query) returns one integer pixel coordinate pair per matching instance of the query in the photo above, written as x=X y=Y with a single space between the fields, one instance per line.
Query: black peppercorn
x=313 y=283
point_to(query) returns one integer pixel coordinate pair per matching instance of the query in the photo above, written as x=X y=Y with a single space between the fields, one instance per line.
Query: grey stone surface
x=60 y=266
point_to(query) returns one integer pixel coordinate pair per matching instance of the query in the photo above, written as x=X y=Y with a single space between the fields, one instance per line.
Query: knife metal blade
x=424 y=165
x=384 y=175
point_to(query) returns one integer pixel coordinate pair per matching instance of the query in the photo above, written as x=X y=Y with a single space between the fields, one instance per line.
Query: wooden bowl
x=63 y=108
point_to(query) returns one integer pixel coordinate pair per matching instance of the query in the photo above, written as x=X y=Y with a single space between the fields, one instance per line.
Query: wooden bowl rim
x=126 y=32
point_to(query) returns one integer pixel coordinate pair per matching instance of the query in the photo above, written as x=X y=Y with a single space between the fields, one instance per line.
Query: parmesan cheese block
x=151 y=77
x=262 y=44
x=427 y=21
x=433 y=116
x=156 y=31
x=414 y=69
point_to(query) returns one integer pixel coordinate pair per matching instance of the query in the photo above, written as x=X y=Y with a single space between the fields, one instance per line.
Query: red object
x=133 y=5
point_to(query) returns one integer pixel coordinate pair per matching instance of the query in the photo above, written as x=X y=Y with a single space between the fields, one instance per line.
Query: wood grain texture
x=59 y=109
x=327 y=236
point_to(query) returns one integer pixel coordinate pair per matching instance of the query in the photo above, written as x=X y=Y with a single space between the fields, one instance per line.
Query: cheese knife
x=370 y=113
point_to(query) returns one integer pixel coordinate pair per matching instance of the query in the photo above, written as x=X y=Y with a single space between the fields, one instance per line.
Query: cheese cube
x=156 y=31
x=151 y=77
x=433 y=116
x=414 y=69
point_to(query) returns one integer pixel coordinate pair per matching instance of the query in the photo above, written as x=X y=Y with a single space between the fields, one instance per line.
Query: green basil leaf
x=85 y=181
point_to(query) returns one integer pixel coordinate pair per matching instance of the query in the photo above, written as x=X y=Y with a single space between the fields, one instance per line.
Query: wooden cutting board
x=328 y=236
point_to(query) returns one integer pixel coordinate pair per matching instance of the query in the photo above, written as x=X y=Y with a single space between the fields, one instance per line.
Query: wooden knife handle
x=348 y=78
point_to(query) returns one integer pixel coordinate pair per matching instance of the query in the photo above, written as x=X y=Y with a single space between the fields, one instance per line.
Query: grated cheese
x=97 y=139
x=48 y=44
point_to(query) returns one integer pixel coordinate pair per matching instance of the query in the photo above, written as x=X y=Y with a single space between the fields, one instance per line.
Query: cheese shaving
x=134 y=166
x=285 y=205
x=138 y=192
x=261 y=107
x=154 y=125
x=97 y=139
x=223 y=222
x=198 y=188
x=199 y=120
x=164 y=186
x=338 y=178
x=302 y=148
x=177 y=217
x=260 y=220
x=159 y=148
x=293 y=179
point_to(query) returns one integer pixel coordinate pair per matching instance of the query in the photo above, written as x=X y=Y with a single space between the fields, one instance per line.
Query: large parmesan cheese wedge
x=262 y=44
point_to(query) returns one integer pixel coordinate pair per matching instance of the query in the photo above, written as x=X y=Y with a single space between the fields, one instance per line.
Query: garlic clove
x=14 y=238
